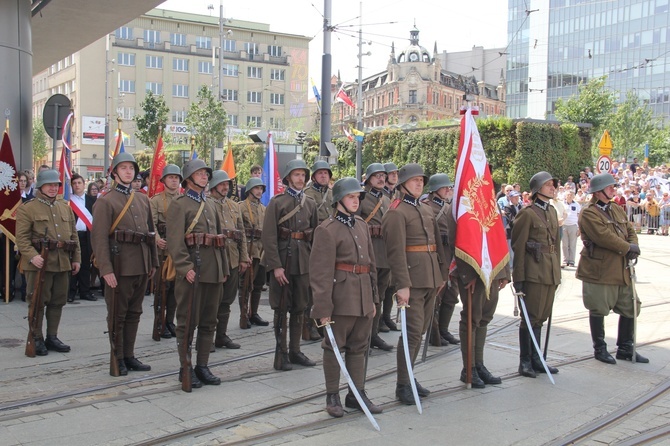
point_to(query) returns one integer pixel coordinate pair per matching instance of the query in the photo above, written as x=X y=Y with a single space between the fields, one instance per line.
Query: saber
x=532 y=336
x=405 y=347
x=633 y=279
x=516 y=305
x=346 y=374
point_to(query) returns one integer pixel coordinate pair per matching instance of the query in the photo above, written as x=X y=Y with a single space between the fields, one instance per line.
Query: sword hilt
x=323 y=325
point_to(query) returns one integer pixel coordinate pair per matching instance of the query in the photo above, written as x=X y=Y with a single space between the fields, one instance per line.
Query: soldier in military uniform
x=171 y=179
x=610 y=243
x=342 y=276
x=45 y=214
x=391 y=192
x=123 y=221
x=236 y=250
x=193 y=227
x=253 y=214
x=537 y=267
x=440 y=190
x=372 y=208
x=418 y=267
x=320 y=191
x=290 y=220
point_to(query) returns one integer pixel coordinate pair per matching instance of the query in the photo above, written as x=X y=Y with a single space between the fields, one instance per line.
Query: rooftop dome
x=414 y=52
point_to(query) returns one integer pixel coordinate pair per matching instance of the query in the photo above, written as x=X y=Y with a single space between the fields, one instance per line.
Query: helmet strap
x=191 y=181
x=344 y=208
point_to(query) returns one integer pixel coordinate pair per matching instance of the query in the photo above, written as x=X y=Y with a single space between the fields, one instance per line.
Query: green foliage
x=208 y=119
x=246 y=155
x=594 y=104
x=40 y=143
x=153 y=120
x=659 y=147
x=631 y=126
x=145 y=157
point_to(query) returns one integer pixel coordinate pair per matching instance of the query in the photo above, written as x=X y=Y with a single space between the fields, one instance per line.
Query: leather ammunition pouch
x=536 y=249
x=233 y=234
x=134 y=237
x=253 y=233
x=67 y=245
x=375 y=231
x=203 y=240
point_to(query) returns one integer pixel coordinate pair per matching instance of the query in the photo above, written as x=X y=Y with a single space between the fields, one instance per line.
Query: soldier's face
x=392 y=178
x=200 y=178
x=296 y=179
x=445 y=192
x=78 y=186
x=322 y=177
x=548 y=189
x=351 y=202
x=50 y=189
x=257 y=192
x=414 y=186
x=377 y=180
x=223 y=188
x=171 y=182
x=125 y=172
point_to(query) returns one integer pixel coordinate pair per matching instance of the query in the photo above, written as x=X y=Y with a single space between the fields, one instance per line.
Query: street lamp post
x=359 y=101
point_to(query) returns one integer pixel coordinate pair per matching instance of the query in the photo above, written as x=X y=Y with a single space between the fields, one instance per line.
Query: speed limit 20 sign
x=604 y=164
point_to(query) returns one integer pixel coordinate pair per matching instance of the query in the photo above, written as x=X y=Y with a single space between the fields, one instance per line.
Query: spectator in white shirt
x=570 y=230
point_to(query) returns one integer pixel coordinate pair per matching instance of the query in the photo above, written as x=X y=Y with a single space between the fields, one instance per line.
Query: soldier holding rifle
x=343 y=280
x=124 y=226
x=610 y=246
x=196 y=246
x=47 y=220
x=171 y=178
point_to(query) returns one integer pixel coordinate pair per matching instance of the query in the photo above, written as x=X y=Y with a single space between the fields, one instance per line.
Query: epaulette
x=28 y=201
x=395 y=203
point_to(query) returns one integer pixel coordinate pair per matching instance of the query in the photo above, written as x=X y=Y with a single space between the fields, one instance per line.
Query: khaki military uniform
x=342 y=277
x=387 y=299
x=323 y=197
x=138 y=259
x=213 y=270
x=34 y=218
x=253 y=214
x=417 y=260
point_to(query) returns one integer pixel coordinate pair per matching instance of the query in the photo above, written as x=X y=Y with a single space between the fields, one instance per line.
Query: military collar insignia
x=544 y=205
x=294 y=193
x=375 y=192
x=407 y=198
x=125 y=190
x=321 y=189
x=603 y=206
x=47 y=202
x=348 y=220
x=437 y=200
x=389 y=190
x=195 y=196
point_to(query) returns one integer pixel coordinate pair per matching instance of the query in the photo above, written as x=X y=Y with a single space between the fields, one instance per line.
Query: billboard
x=93 y=130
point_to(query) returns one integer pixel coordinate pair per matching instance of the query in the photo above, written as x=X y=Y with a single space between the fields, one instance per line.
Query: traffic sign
x=604 y=164
x=605 y=144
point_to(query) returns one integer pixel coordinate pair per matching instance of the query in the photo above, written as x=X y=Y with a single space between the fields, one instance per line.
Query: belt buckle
x=428 y=248
x=552 y=249
x=356 y=269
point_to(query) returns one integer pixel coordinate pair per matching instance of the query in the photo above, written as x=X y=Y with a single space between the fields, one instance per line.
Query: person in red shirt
x=620 y=199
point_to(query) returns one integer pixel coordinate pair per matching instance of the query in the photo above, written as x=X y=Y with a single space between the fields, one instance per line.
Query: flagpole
x=326 y=68
x=7 y=281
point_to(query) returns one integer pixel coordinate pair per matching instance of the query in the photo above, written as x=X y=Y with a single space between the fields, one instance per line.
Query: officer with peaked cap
x=418 y=267
x=290 y=220
x=342 y=277
x=537 y=267
x=610 y=243
x=45 y=214
x=160 y=203
x=123 y=221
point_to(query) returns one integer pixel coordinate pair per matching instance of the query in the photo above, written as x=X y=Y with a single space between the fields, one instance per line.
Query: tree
x=594 y=104
x=207 y=118
x=631 y=126
x=153 y=120
x=40 y=145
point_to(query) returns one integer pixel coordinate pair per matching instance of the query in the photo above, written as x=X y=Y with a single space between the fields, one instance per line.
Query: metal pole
x=326 y=69
x=106 y=148
x=55 y=139
x=211 y=157
x=359 y=101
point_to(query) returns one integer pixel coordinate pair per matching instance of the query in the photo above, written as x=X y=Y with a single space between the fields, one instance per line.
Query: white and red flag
x=480 y=235
x=270 y=176
x=342 y=96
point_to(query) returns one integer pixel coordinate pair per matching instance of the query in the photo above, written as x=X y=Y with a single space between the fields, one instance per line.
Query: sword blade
x=532 y=337
x=345 y=372
x=633 y=279
x=405 y=347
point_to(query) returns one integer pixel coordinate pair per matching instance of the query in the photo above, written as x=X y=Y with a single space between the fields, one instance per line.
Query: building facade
x=558 y=44
x=264 y=82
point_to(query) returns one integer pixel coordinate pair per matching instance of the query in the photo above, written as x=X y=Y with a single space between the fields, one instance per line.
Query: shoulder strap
x=374 y=211
x=197 y=217
x=294 y=211
x=123 y=212
x=442 y=211
x=544 y=219
x=251 y=214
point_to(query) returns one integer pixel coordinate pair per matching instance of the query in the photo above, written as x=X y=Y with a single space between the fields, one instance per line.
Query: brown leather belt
x=68 y=246
x=356 y=269
x=548 y=248
x=134 y=237
x=205 y=240
x=255 y=233
x=421 y=248
x=232 y=234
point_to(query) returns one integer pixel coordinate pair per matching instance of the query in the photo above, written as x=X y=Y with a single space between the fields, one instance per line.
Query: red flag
x=480 y=236
x=10 y=194
x=342 y=96
x=158 y=163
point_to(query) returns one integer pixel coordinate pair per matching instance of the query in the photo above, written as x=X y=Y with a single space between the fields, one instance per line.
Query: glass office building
x=556 y=44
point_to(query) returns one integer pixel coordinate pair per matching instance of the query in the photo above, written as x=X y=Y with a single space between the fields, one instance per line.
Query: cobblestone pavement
x=139 y=407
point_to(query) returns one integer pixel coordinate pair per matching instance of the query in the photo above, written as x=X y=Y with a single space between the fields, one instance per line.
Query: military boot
x=40 y=348
x=477 y=382
x=535 y=358
x=195 y=382
x=222 y=339
x=625 y=341
x=309 y=331
x=487 y=376
x=600 y=352
x=334 y=405
x=206 y=376
x=448 y=337
x=525 y=362
x=294 y=354
x=283 y=364
x=351 y=402
x=386 y=317
x=377 y=342
x=53 y=343
x=255 y=319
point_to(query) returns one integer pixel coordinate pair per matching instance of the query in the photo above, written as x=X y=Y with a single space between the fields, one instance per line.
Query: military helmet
x=171 y=169
x=48 y=177
x=409 y=171
x=125 y=157
x=390 y=167
x=538 y=180
x=600 y=182
x=253 y=182
x=345 y=186
x=321 y=164
x=438 y=181
x=294 y=165
x=218 y=177
x=192 y=166
x=373 y=169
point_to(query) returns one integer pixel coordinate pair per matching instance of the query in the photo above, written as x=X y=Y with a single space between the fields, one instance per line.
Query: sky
x=455 y=25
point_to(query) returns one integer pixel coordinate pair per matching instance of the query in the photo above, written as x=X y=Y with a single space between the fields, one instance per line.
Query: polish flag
x=342 y=96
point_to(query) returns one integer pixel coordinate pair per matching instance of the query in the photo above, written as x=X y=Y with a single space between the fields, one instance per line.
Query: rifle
x=280 y=326
x=111 y=317
x=160 y=307
x=34 y=311
x=247 y=282
x=186 y=385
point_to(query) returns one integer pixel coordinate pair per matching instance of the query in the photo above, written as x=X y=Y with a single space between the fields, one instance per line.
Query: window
x=179 y=116
x=412 y=97
x=154 y=61
x=180 y=64
x=254 y=97
x=205 y=67
x=231 y=70
x=276 y=99
x=154 y=87
x=229 y=45
x=251 y=48
x=126 y=112
x=255 y=72
x=126 y=86
x=180 y=91
x=124 y=33
x=253 y=121
x=391 y=98
x=276 y=123
x=152 y=37
x=177 y=39
x=127 y=59
x=274 y=50
x=203 y=42
x=277 y=75
x=232 y=120
x=229 y=95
